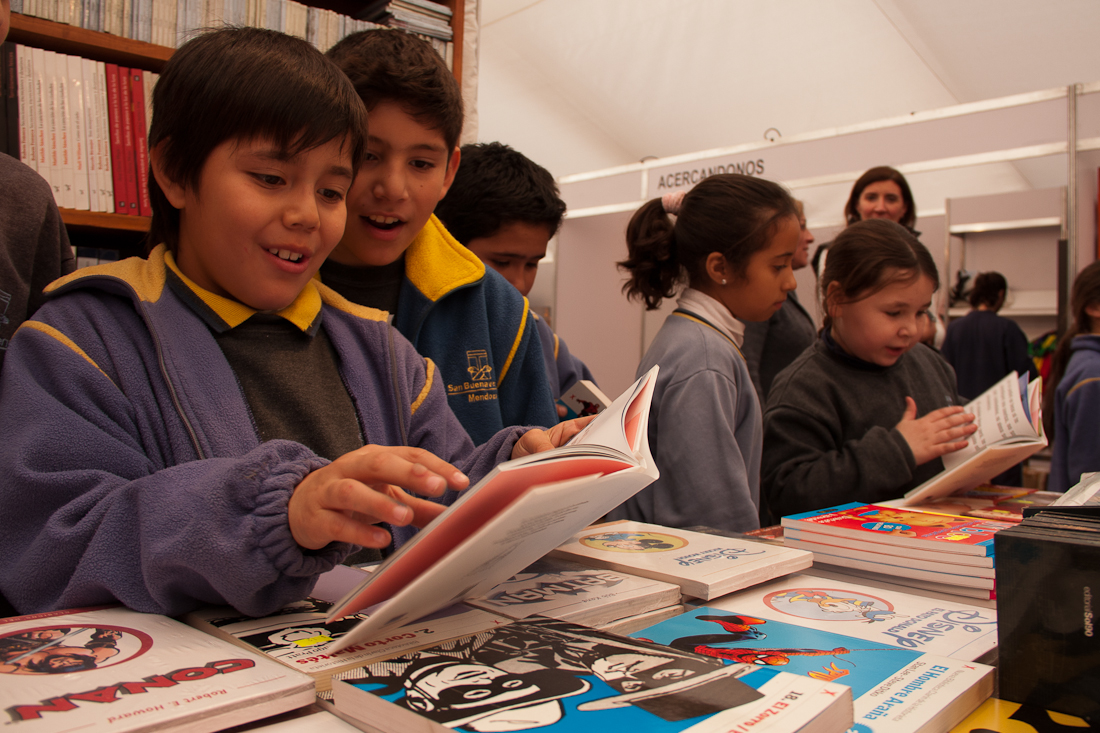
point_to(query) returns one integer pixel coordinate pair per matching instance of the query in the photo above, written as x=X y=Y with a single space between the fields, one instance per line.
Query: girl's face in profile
x=768 y=276
x=880 y=327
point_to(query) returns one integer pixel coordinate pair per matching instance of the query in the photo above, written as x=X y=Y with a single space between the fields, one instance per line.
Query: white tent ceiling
x=580 y=85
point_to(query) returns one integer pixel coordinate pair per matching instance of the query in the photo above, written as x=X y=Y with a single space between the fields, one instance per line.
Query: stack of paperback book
x=569 y=591
x=939 y=552
x=1048 y=577
x=989 y=501
x=703 y=565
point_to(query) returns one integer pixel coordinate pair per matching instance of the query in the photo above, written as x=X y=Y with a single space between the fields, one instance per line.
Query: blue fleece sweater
x=562 y=368
x=478 y=330
x=1076 y=403
x=133 y=471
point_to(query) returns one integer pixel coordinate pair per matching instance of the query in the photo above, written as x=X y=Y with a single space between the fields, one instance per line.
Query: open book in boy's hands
x=1010 y=428
x=520 y=511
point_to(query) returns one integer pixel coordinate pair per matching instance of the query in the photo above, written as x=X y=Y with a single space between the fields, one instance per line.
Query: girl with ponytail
x=731 y=241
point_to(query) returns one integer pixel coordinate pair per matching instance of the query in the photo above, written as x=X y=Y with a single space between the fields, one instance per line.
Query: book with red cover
x=114 y=116
x=141 y=141
x=902 y=527
x=129 y=159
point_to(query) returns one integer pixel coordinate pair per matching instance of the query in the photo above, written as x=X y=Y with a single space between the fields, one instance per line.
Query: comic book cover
x=112 y=667
x=894 y=690
x=299 y=636
x=555 y=676
x=569 y=591
x=901 y=527
x=891 y=617
x=703 y=565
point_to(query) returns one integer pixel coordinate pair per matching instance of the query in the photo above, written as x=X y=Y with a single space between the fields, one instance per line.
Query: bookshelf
x=62 y=38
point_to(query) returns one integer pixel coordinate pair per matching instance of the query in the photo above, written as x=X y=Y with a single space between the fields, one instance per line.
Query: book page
x=999 y=414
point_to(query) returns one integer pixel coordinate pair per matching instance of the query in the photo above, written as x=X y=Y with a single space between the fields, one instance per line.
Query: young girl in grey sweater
x=865 y=413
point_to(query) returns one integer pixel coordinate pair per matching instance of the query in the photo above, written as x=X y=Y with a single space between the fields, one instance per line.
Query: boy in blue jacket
x=397 y=257
x=504 y=207
x=211 y=425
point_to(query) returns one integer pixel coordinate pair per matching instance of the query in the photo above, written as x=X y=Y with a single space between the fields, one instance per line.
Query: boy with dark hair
x=397 y=257
x=211 y=425
x=505 y=208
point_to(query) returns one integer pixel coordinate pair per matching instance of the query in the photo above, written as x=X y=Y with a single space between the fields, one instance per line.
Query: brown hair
x=874 y=175
x=243 y=83
x=389 y=65
x=869 y=255
x=988 y=287
x=732 y=214
x=1086 y=292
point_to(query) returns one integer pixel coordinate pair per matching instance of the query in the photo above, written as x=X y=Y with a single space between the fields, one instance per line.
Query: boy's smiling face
x=407 y=171
x=260 y=223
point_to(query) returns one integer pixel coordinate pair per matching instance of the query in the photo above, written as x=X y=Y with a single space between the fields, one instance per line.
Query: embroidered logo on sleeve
x=479 y=385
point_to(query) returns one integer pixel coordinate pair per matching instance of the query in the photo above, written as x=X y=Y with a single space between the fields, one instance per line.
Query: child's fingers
x=413 y=469
x=910 y=409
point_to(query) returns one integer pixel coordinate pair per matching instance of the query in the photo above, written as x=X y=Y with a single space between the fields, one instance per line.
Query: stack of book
x=569 y=591
x=703 y=565
x=1048 y=578
x=427 y=19
x=989 y=501
x=939 y=552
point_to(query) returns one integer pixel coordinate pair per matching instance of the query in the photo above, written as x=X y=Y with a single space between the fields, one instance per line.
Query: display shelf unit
x=62 y=38
x=1020 y=235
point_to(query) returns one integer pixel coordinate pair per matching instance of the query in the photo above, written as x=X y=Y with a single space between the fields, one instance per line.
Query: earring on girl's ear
x=723 y=281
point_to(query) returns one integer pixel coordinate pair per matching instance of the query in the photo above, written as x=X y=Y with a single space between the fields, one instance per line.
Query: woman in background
x=983 y=346
x=882 y=193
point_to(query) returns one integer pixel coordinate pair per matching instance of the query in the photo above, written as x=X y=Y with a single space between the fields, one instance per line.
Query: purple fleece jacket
x=132 y=468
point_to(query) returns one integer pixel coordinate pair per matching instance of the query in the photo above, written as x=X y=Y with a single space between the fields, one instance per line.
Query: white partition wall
x=1013 y=144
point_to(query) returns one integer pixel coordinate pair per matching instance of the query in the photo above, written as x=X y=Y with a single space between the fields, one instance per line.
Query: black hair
x=874 y=175
x=245 y=83
x=732 y=214
x=869 y=255
x=988 y=288
x=497 y=185
x=1085 y=293
x=389 y=65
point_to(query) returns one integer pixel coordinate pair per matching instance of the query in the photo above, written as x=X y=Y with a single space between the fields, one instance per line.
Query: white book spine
x=26 y=107
x=148 y=82
x=106 y=172
x=87 y=71
x=52 y=152
x=38 y=67
x=78 y=134
x=65 y=153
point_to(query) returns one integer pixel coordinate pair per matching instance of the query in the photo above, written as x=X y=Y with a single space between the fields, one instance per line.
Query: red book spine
x=141 y=142
x=129 y=161
x=114 y=116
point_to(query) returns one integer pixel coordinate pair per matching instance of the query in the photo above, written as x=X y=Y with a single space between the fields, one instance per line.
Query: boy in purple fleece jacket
x=211 y=424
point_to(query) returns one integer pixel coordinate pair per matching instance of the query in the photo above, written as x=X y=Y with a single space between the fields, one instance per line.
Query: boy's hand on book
x=939 y=432
x=342 y=501
x=537 y=440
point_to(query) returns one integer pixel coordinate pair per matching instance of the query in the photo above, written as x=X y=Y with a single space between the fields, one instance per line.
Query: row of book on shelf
x=82 y=124
x=511 y=611
x=171 y=22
